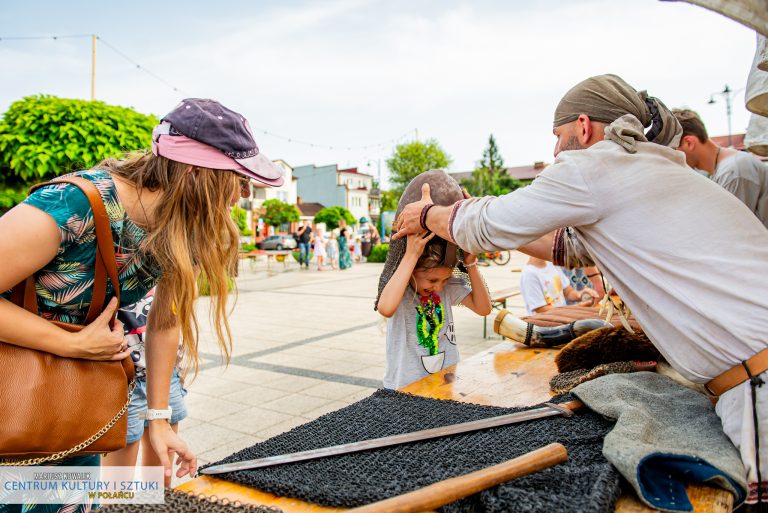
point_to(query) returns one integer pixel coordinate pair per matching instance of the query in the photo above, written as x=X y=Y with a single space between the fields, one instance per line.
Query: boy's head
x=694 y=137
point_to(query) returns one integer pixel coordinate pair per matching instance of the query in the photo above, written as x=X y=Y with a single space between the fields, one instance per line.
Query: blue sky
x=352 y=72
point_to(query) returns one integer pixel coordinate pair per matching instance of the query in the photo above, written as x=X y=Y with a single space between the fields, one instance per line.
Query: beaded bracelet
x=423 y=217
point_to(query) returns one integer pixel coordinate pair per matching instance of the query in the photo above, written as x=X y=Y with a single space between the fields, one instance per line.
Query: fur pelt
x=605 y=345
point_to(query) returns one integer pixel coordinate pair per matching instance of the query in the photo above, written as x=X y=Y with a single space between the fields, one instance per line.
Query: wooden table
x=508 y=374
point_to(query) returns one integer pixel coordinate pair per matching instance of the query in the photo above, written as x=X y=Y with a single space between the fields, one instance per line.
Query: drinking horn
x=514 y=328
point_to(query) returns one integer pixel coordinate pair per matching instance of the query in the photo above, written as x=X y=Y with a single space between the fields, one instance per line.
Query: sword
x=548 y=410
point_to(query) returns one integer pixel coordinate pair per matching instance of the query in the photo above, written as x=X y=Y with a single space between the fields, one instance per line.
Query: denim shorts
x=138 y=407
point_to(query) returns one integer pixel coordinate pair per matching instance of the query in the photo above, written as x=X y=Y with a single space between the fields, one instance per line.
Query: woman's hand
x=416 y=243
x=469 y=259
x=98 y=341
x=165 y=442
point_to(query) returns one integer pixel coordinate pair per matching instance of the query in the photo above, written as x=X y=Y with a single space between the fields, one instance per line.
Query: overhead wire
x=380 y=145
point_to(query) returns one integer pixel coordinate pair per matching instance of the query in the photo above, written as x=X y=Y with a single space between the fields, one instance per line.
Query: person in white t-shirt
x=545 y=286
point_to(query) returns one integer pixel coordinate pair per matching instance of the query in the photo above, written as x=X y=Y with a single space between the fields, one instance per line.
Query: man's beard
x=572 y=144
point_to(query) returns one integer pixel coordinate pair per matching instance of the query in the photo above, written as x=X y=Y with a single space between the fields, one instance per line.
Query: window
x=282 y=196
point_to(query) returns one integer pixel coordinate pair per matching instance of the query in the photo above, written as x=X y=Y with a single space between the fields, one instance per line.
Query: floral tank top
x=64 y=286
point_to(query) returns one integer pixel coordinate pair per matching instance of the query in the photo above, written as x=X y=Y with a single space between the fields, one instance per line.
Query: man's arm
x=558 y=197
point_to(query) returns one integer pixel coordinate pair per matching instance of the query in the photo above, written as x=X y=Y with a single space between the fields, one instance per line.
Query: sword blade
x=551 y=410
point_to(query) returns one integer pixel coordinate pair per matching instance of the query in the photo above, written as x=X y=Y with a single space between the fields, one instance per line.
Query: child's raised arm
x=479 y=301
x=394 y=290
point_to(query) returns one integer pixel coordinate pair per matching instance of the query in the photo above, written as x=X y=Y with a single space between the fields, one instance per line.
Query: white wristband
x=158 y=414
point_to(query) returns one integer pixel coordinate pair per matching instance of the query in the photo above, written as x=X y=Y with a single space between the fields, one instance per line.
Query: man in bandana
x=686 y=256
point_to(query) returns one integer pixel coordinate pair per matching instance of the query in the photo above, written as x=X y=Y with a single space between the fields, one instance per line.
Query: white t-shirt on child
x=407 y=360
x=542 y=286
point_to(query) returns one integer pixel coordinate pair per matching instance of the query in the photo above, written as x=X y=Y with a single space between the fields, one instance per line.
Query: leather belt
x=737 y=374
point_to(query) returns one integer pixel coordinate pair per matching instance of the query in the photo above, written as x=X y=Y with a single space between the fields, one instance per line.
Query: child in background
x=134 y=319
x=332 y=249
x=581 y=278
x=320 y=249
x=545 y=286
x=417 y=303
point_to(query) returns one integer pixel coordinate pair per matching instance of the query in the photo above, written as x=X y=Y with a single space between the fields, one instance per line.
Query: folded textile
x=585 y=483
x=665 y=435
x=565 y=381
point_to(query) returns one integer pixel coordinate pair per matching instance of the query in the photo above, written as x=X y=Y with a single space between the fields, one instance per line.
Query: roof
x=528 y=172
x=310 y=209
x=737 y=140
x=353 y=171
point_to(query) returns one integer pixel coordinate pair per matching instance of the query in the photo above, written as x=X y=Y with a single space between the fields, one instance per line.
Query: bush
x=278 y=212
x=296 y=254
x=240 y=217
x=331 y=215
x=249 y=246
x=379 y=253
x=205 y=290
x=42 y=136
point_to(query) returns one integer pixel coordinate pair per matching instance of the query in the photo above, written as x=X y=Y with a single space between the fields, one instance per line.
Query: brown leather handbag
x=54 y=407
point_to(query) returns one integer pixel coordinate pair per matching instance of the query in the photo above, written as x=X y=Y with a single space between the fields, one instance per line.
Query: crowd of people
x=338 y=248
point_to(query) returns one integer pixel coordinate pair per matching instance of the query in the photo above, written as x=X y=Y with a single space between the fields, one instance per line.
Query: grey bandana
x=608 y=99
x=444 y=191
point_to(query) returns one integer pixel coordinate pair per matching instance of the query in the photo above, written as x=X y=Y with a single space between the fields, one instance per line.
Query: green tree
x=389 y=200
x=491 y=178
x=491 y=157
x=42 y=137
x=331 y=215
x=240 y=217
x=411 y=159
x=278 y=212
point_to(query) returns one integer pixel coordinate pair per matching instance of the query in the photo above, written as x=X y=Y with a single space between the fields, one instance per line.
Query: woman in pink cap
x=169 y=214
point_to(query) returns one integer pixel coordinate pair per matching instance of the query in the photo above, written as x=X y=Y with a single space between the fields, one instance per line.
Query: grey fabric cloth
x=608 y=98
x=746 y=177
x=444 y=190
x=665 y=435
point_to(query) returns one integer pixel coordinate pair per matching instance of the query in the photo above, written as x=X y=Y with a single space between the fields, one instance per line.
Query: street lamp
x=728 y=94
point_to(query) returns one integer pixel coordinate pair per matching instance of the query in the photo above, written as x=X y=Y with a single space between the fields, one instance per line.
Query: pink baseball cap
x=204 y=133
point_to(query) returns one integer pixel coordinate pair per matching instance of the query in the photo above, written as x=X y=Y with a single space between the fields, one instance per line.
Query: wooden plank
x=210 y=486
x=509 y=374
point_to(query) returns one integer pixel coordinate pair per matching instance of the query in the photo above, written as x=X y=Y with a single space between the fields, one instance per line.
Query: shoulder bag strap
x=105 y=263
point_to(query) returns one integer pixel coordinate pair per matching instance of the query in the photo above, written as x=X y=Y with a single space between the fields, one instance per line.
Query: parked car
x=278 y=242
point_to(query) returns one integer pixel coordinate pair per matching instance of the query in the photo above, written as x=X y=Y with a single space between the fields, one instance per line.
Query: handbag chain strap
x=79 y=447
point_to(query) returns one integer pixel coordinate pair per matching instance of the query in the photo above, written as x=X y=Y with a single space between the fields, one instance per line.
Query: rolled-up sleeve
x=558 y=197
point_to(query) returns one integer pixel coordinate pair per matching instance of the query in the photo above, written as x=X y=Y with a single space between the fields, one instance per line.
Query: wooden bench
x=499 y=301
x=280 y=256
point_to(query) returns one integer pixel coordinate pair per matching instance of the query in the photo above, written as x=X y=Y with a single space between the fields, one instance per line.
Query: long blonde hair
x=191 y=228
